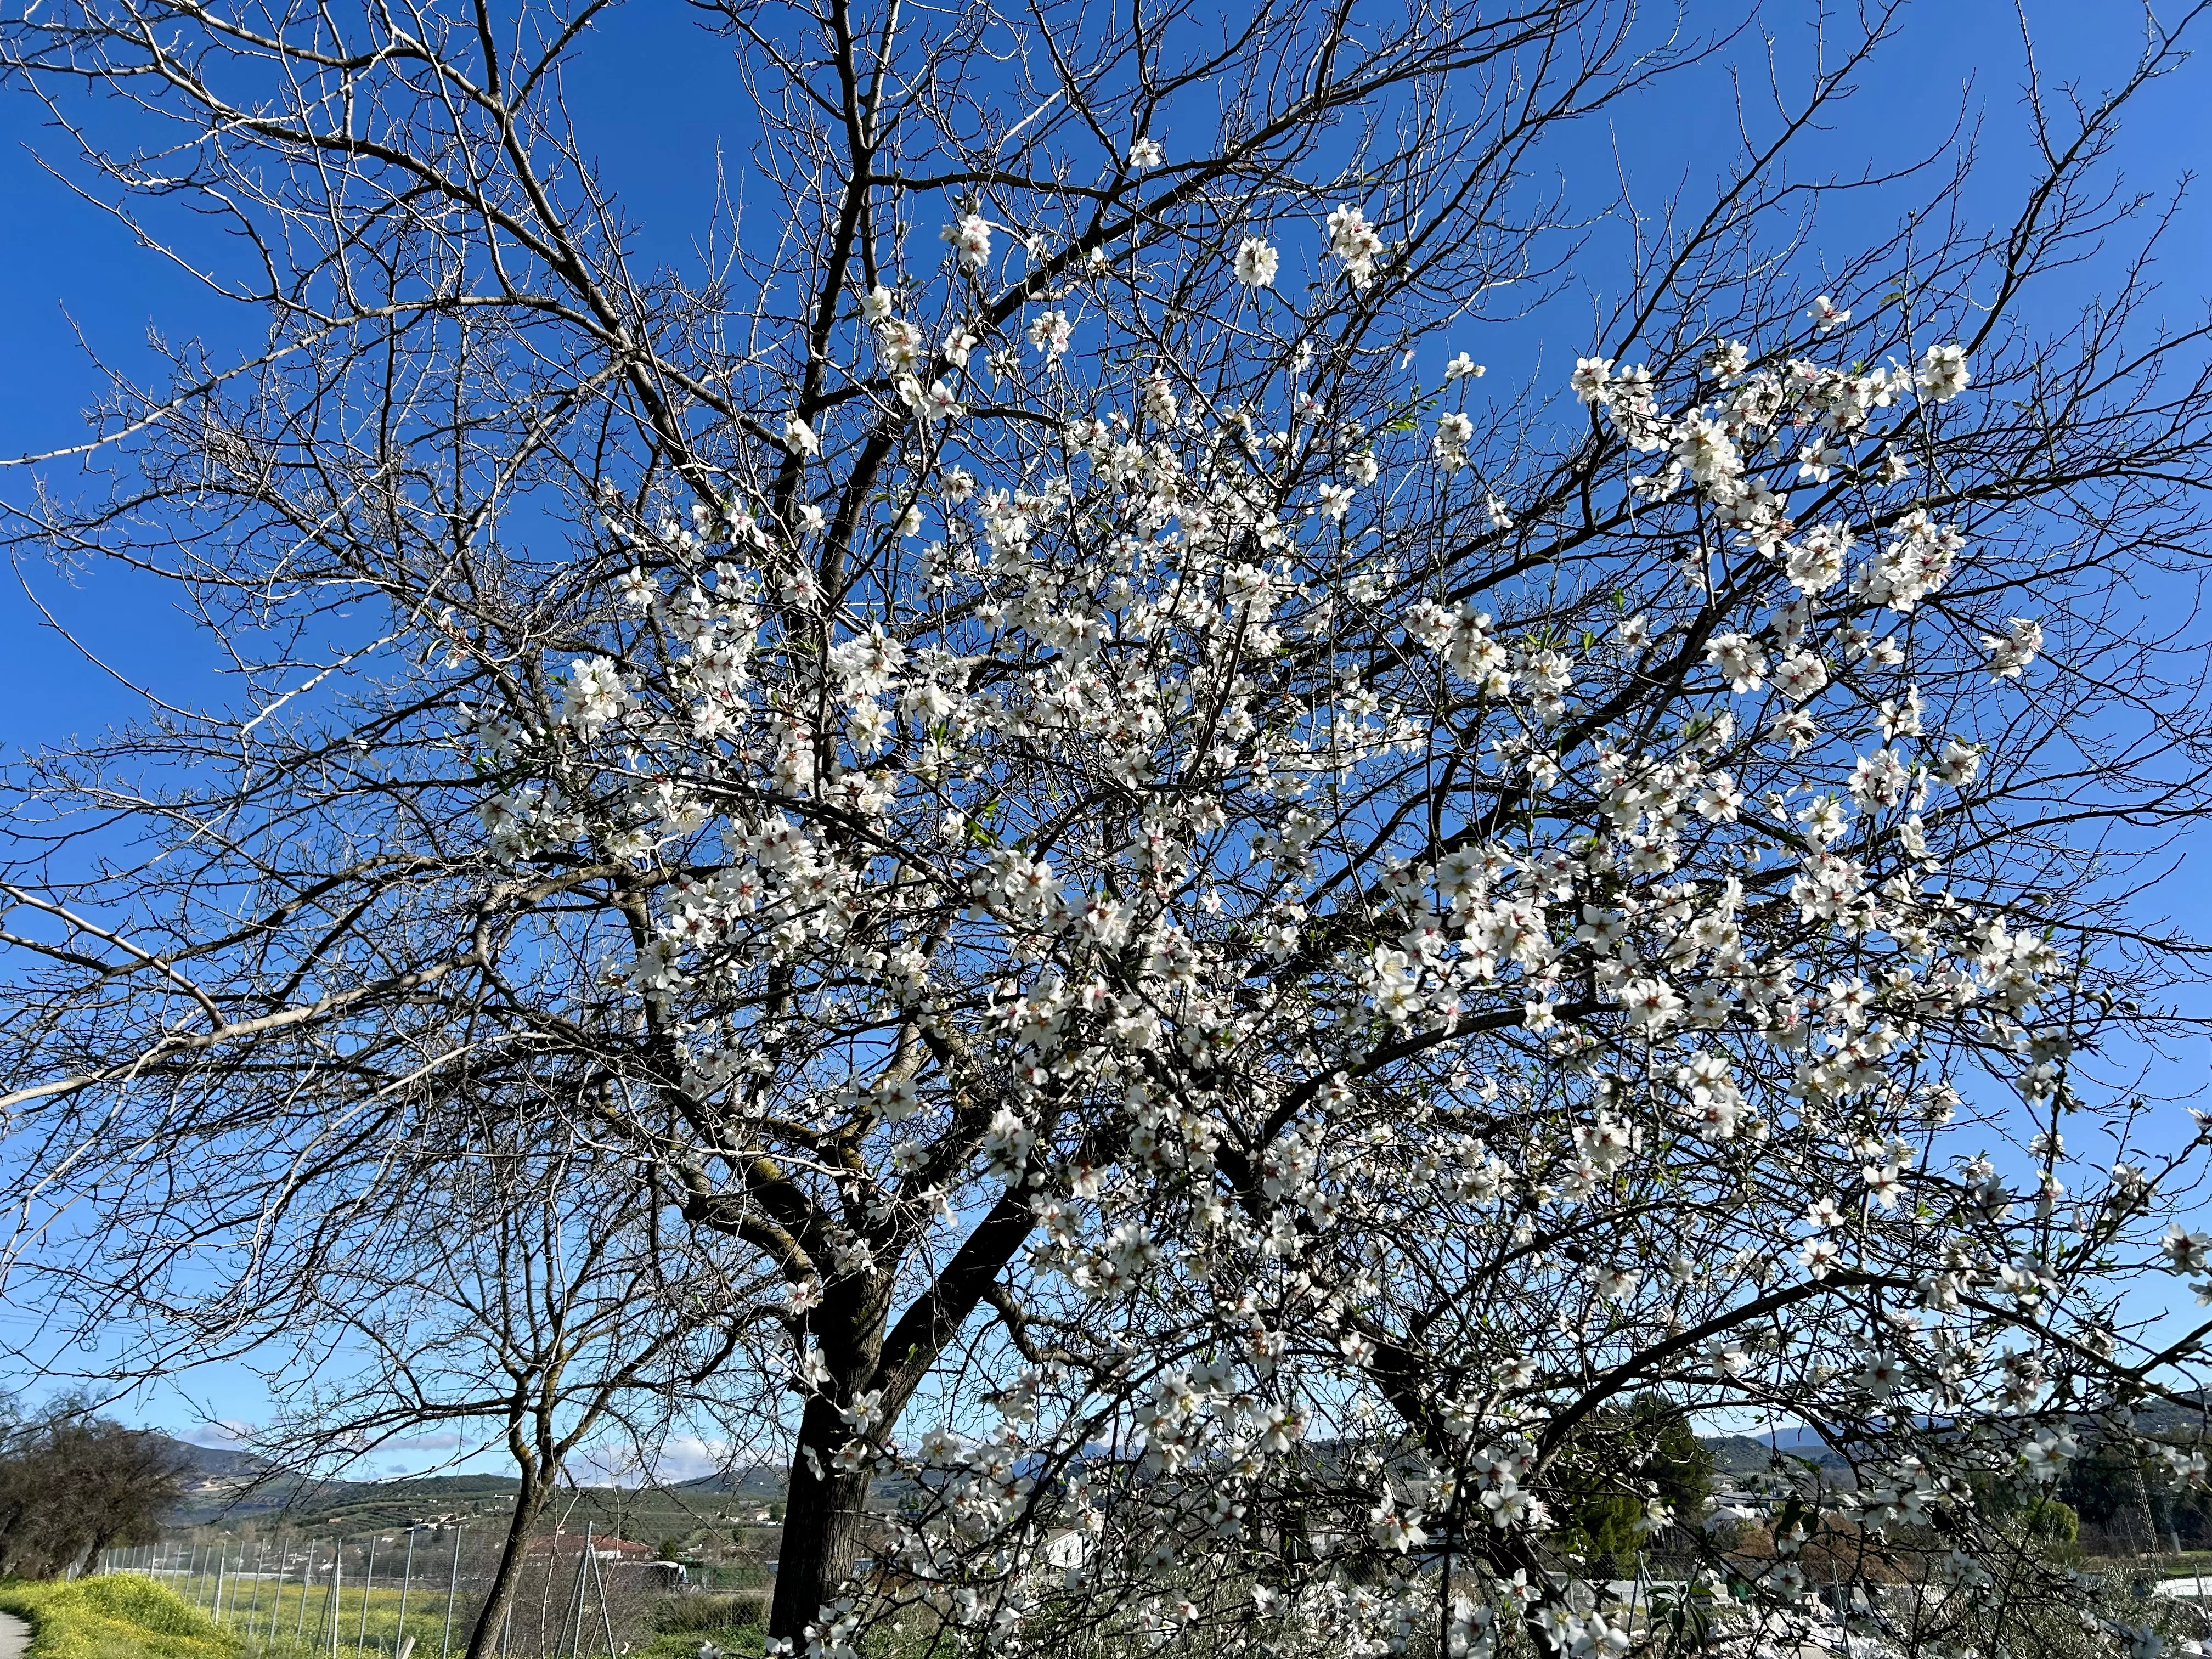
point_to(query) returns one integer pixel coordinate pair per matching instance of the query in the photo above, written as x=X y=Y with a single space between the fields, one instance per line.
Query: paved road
x=15 y=1637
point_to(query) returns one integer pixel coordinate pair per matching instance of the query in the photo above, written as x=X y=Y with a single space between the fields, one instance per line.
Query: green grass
x=426 y=1619
x=732 y=1623
x=674 y=1626
x=677 y=1626
x=738 y=1642
x=119 y=1616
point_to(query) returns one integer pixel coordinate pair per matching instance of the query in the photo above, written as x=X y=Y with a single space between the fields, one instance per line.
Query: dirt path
x=15 y=1637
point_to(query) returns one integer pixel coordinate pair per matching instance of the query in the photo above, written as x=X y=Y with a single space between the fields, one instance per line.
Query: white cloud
x=224 y=1434
x=678 y=1458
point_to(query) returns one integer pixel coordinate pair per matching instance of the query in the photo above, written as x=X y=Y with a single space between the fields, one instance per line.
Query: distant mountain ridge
x=222 y=1482
x=217 y=1460
x=226 y=1483
x=754 y=1480
x=1747 y=1454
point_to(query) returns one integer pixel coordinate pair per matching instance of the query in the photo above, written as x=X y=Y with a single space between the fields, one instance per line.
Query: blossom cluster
x=1093 y=859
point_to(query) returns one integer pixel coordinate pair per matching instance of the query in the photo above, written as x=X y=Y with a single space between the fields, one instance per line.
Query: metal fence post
x=606 y=1618
x=254 y=1617
x=406 y=1584
x=576 y=1640
x=546 y=1595
x=367 y=1584
x=452 y=1584
x=306 y=1579
x=277 y=1598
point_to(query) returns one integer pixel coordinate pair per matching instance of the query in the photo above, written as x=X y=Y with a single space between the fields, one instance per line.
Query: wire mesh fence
x=416 y=1592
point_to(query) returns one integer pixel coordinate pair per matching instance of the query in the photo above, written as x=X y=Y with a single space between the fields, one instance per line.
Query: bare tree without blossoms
x=531 y=1299
x=1274 y=946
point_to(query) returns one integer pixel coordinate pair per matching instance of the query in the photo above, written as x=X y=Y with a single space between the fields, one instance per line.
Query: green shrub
x=2054 y=1521
x=733 y=1622
x=117 y=1616
x=709 y=1610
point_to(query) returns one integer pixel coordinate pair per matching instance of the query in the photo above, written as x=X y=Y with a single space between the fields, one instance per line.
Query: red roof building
x=606 y=1547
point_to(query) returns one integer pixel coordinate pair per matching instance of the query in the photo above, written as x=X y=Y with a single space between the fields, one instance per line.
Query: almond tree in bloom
x=1270 y=942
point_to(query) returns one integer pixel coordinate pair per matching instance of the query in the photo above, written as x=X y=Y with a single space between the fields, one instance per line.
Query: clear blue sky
x=653 y=100
x=652 y=95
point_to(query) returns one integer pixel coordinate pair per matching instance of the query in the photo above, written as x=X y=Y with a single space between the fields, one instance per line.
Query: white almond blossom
x=1256 y=263
x=1231 y=998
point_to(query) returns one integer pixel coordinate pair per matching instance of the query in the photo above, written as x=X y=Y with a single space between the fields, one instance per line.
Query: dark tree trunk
x=822 y=1520
x=824 y=1513
x=529 y=1505
x=99 y=1540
